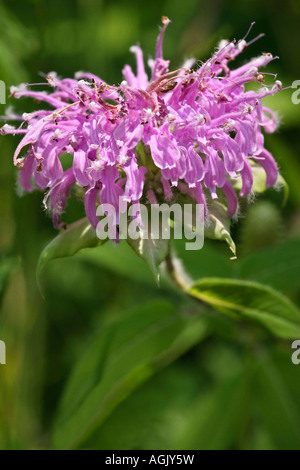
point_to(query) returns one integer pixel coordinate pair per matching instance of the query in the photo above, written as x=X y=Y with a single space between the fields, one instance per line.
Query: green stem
x=176 y=273
x=181 y=279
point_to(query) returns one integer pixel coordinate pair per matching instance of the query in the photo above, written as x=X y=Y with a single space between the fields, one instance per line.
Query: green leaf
x=217 y=223
x=277 y=407
x=135 y=426
x=215 y=420
x=123 y=354
x=245 y=300
x=120 y=259
x=278 y=266
x=150 y=250
x=77 y=236
x=211 y=261
x=218 y=227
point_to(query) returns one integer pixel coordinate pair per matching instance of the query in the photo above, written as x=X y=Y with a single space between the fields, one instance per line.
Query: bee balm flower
x=149 y=138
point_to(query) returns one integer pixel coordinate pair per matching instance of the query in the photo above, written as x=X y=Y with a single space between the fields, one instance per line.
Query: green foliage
x=153 y=251
x=276 y=405
x=74 y=238
x=262 y=228
x=219 y=226
x=216 y=416
x=121 y=356
x=247 y=300
x=277 y=266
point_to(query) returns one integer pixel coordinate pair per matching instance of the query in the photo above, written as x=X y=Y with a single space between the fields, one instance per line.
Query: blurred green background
x=141 y=367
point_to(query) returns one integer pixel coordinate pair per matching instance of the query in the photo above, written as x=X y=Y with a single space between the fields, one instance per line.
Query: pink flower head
x=182 y=131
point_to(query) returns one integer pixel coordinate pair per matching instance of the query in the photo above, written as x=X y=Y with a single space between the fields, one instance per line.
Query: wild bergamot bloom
x=188 y=131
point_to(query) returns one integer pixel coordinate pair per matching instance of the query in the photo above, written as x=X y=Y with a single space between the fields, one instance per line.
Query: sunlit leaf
x=245 y=300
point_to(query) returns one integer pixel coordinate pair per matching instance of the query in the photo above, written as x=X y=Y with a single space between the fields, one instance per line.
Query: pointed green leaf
x=218 y=227
x=245 y=300
x=151 y=250
x=68 y=242
x=123 y=354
